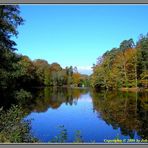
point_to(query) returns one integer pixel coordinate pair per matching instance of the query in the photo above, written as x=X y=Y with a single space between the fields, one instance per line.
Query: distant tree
x=26 y=72
x=55 y=67
x=69 y=73
x=47 y=77
x=76 y=79
x=41 y=67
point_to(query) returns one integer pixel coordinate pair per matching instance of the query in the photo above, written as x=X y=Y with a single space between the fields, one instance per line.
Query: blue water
x=80 y=115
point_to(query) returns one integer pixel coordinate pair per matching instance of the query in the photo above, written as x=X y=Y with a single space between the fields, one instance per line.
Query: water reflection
x=89 y=111
x=127 y=111
x=53 y=97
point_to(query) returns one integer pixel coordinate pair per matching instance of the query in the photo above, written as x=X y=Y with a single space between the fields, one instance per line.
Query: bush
x=12 y=128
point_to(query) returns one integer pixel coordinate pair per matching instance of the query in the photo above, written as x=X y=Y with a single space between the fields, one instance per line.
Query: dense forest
x=123 y=67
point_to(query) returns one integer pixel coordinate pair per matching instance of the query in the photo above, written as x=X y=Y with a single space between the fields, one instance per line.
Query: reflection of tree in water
x=127 y=111
x=53 y=97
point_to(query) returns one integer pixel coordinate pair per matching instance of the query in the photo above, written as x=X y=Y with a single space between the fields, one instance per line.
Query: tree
x=142 y=60
x=102 y=76
x=47 y=77
x=10 y=19
x=126 y=66
x=41 y=67
x=69 y=73
x=55 y=67
x=126 y=44
x=76 y=79
x=26 y=72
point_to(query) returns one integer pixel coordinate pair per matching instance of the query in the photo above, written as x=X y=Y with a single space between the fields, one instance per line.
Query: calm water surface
x=97 y=115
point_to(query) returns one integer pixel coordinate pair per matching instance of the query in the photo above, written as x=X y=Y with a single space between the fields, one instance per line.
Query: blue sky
x=78 y=34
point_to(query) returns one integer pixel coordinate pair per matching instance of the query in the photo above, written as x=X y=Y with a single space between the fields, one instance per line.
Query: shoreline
x=133 y=89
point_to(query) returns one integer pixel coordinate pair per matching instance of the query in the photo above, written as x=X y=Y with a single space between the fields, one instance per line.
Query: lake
x=98 y=116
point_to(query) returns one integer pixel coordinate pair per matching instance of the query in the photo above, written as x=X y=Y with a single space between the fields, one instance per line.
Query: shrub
x=12 y=128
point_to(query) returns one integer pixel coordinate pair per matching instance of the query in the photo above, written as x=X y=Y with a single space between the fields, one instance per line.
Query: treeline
x=123 y=67
x=40 y=73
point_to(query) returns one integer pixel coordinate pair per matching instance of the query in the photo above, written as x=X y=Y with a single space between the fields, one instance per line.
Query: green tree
x=41 y=67
x=69 y=73
x=13 y=129
x=47 y=77
x=10 y=19
x=142 y=60
x=26 y=72
x=55 y=67
x=126 y=44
